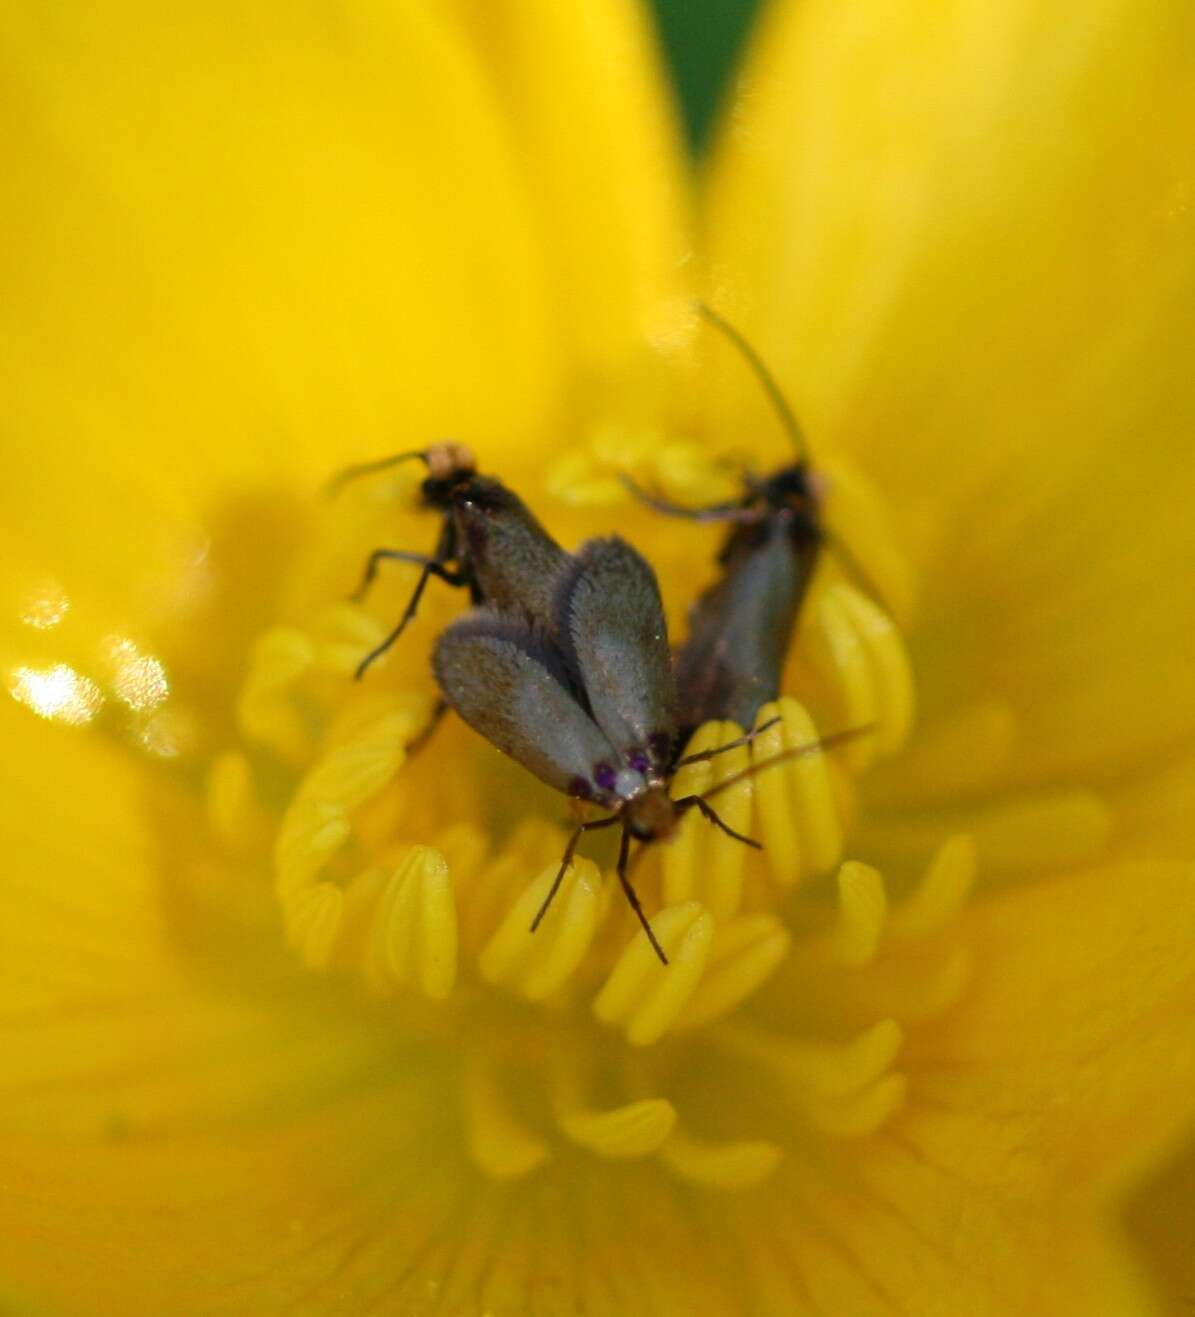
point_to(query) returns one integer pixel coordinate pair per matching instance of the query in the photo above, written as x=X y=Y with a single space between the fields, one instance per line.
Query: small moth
x=489 y=543
x=741 y=626
x=589 y=707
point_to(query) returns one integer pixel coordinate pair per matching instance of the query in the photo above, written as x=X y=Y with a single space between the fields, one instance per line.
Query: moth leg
x=711 y=815
x=567 y=859
x=623 y=853
x=431 y=567
x=702 y=755
x=714 y=512
x=439 y=709
x=429 y=564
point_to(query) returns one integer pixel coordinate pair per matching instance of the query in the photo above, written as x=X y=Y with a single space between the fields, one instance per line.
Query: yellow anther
x=862 y=911
x=342 y=635
x=404 y=712
x=636 y=1129
x=352 y=772
x=499 y=1143
x=230 y=801
x=744 y=953
x=644 y=997
x=578 y=478
x=797 y=814
x=413 y=938
x=941 y=893
x=889 y=666
x=535 y=965
x=701 y=862
x=838 y=655
x=731 y=1167
x=499 y=884
x=819 y=1068
x=310 y=833
x=313 y=921
x=265 y=714
x=859 y=1114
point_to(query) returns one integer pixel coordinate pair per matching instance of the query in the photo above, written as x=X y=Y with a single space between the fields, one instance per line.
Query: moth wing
x=611 y=612
x=511 y=687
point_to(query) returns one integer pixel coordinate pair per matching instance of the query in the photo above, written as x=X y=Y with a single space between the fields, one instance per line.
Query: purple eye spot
x=580 y=787
x=639 y=762
x=605 y=776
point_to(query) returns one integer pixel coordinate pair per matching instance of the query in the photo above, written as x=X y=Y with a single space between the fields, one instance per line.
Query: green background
x=702 y=39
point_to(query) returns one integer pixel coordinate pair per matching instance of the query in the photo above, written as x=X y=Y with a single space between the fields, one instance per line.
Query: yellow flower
x=275 y=1036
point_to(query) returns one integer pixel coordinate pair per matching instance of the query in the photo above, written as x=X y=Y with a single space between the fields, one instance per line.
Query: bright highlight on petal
x=58 y=694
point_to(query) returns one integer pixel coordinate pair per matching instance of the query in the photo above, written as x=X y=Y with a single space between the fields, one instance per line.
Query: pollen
x=409 y=860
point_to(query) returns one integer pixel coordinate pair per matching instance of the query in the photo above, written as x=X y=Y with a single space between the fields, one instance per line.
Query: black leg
x=439 y=709
x=623 y=853
x=433 y=565
x=578 y=831
x=709 y=813
x=702 y=755
x=430 y=568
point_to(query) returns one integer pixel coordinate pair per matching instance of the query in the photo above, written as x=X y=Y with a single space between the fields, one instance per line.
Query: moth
x=490 y=543
x=742 y=625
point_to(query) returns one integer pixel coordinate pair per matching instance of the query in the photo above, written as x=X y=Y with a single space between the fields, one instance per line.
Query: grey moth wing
x=611 y=621
x=510 y=686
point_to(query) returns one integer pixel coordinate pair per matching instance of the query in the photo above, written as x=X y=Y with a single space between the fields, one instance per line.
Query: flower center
x=414 y=858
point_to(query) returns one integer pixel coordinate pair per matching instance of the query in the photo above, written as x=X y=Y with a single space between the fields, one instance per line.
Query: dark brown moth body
x=490 y=543
x=741 y=627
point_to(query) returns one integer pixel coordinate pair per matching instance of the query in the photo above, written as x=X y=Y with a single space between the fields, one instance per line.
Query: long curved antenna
x=787 y=417
x=796 y=752
x=348 y=473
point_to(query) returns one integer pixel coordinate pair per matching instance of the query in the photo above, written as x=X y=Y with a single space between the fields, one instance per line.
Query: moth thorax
x=651 y=815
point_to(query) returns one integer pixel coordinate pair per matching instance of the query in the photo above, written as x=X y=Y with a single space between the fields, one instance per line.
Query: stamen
x=859 y=654
x=941 y=893
x=634 y=1129
x=731 y=1167
x=413 y=939
x=809 y=1069
x=701 y=862
x=499 y=1142
x=644 y=997
x=535 y=965
x=265 y=713
x=799 y=822
x=855 y=934
x=744 y=953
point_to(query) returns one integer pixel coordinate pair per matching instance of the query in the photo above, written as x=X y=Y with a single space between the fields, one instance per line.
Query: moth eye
x=605 y=776
x=580 y=787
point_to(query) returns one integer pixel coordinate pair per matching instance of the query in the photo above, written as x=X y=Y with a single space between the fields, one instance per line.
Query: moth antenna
x=785 y=412
x=855 y=568
x=796 y=752
x=350 y=473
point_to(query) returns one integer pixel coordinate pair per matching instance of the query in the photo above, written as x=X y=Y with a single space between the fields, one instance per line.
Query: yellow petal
x=598 y=137
x=1071 y=1059
x=247 y=248
x=964 y=236
x=1158 y=1224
